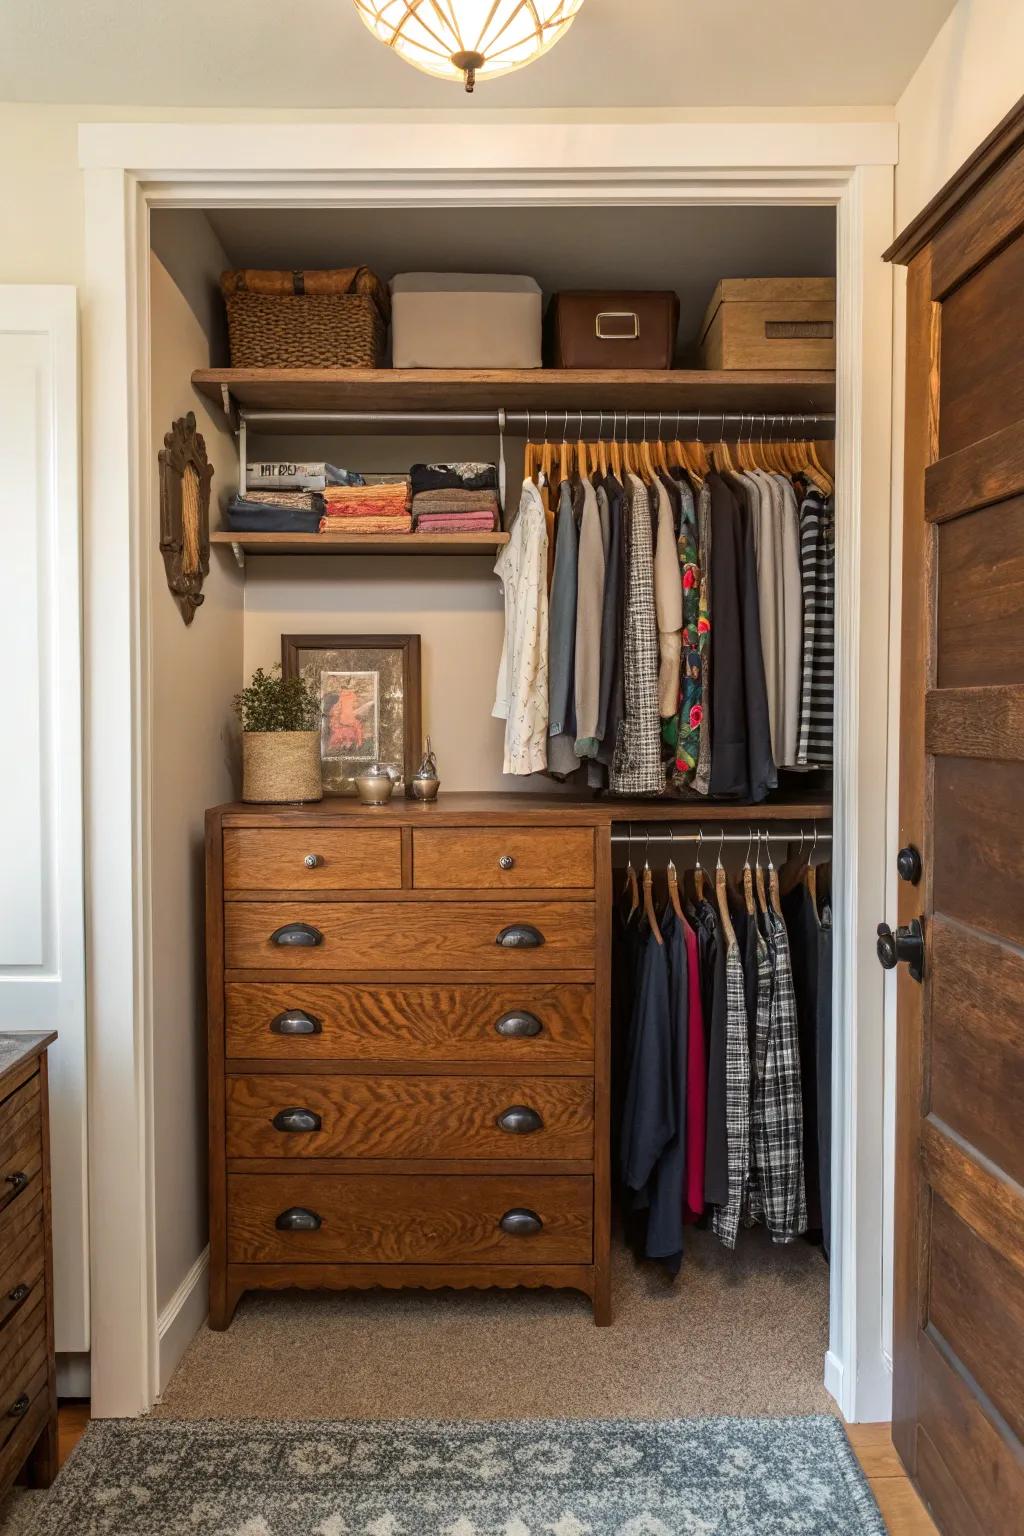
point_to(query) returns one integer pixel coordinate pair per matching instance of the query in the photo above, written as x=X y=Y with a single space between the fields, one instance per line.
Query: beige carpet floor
x=736 y=1333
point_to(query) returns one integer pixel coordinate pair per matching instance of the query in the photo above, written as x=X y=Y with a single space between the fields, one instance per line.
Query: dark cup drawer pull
x=294 y=1022
x=18 y=1407
x=297 y=936
x=520 y=1120
x=518 y=1025
x=17 y=1296
x=520 y=936
x=16 y=1182
x=520 y=1222
x=298 y=1219
x=296 y=1120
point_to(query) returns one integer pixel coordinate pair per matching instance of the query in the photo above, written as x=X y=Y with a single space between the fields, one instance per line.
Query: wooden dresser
x=409 y=1041
x=28 y=1377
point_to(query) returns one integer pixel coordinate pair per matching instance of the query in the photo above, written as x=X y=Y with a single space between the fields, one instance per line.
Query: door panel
x=959 y=1282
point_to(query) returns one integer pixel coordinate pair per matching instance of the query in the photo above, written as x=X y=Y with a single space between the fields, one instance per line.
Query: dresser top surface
x=483 y=809
x=17 y=1049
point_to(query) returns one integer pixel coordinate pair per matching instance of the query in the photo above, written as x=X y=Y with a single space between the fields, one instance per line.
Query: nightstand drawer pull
x=18 y=1294
x=18 y=1182
x=520 y=1120
x=18 y=1407
x=296 y=1120
x=297 y=936
x=298 y=1220
x=520 y=936
x=518 y=1025
x=520 y=1222
x=506 y=861
x=294 y=1022
x=312 y=861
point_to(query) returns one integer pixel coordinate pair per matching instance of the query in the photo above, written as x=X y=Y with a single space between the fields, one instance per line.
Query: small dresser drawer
x=317 y=859
x=428 y=1117
x=503 y=858
x=21 y=1266
x=533 y=1023
x=409 y=1219
x=524 y=936
x=21 y=1155
x=22 y=1353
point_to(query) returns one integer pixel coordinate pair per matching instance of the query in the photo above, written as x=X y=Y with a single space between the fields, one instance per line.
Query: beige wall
x=195 y=672
x=970 y=77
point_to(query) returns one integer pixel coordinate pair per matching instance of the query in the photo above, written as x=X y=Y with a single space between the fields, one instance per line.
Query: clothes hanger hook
x=768 y=851
x=629 y=845
x=721 y=845
x=700 y=842
x=750 y=839
x=647 y=848
x=671 y=848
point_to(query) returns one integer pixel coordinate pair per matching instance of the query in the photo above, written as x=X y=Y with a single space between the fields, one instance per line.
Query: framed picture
x=369 y=688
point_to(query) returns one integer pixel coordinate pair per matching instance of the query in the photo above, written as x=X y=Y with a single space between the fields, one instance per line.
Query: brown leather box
x=612 y=330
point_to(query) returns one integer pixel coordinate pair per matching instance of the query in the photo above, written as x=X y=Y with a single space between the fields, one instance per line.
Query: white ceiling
x=619 y=53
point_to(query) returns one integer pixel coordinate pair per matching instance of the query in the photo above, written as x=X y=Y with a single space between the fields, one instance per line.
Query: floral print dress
x=682 y=733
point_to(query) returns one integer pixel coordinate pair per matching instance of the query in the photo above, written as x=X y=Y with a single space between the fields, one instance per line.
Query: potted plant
x=280 y=719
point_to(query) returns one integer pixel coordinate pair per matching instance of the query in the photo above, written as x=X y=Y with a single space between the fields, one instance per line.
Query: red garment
x=696 y=1086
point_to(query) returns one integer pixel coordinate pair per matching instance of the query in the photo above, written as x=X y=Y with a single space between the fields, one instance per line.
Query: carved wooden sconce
x=185 y=475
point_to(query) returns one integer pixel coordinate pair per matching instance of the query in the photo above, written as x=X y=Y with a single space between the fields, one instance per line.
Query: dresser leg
x=43 y=1460
x=602 y=1298
x=224 y=1298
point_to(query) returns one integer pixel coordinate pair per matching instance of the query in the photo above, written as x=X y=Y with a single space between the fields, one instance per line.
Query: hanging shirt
x=726 y=1219
x=696 y=1082
x=668 y=604
x=664 y=1239
x=589 y=612
x=612 y=618
x=649 y=1109
x=562 y=757
x=818 y=574
x=779 y=1115
x=702 y=776
x=521 y=698
x=683 y=734
x=792 y=588
x=636 y=768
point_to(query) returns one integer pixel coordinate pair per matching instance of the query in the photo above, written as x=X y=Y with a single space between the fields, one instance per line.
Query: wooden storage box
x=770 y=322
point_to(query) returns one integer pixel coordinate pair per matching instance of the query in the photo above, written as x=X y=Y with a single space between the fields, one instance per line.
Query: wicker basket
x=280 y=766
x=319 y=330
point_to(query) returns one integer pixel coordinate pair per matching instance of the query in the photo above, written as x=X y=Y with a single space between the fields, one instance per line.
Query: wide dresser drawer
x=409 y=1219
x=320 y=859
x=21 y=1159
x=408 y=1117
x=23 y=1363
x=448 y=936
x=502 y=858
x=532 y=1023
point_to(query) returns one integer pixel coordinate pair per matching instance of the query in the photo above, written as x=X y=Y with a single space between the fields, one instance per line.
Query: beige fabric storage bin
x=770 y=322
x=465 y=320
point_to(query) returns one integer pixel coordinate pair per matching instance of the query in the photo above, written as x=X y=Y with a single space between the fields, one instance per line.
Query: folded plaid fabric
x=451 y=501
x=366 y=524
x=369 y=508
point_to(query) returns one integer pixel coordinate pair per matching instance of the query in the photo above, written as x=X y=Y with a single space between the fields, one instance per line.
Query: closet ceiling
x=674 y=54
x=686 y=249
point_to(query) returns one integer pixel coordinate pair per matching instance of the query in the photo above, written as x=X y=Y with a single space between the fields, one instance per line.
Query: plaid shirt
x=777 y=1108
x=726 y=1219
x=636 y=765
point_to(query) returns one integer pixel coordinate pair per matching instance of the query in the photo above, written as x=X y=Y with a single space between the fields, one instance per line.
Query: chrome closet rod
x=716 y=839
x=700 y=426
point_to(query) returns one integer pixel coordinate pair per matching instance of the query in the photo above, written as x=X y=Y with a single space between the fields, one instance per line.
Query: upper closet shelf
x=303 y=397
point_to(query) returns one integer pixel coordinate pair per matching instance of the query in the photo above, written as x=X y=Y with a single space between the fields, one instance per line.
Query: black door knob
x=905 y=945
x=908 y=864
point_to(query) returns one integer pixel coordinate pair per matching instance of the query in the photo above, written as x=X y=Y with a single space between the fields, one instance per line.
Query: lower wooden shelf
x=362 y=543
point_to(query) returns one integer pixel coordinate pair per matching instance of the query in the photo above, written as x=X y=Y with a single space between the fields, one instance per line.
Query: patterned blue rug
x=712 y=1477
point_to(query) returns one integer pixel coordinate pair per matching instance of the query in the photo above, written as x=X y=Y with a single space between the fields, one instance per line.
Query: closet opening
x=740 y=1323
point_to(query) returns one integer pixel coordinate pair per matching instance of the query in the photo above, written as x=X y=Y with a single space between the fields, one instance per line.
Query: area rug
x=710 y=1477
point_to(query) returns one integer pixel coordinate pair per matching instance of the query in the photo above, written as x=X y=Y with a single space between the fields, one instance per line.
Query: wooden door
x=959 y=1286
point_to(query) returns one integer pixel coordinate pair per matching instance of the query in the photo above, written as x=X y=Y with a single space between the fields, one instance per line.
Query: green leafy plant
x=275 y=703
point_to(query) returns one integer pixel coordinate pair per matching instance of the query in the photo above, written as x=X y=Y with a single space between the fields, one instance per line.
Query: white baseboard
x=182 y=1318
x=834 y=1377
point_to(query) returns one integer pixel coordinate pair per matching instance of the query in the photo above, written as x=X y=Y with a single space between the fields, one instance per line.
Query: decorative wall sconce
x=185 y=475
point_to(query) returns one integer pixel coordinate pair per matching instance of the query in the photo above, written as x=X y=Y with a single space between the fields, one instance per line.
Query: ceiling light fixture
x=468 y=39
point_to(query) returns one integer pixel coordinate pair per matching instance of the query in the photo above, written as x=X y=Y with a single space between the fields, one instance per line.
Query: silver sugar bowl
x=425 y=782
x=376 y=784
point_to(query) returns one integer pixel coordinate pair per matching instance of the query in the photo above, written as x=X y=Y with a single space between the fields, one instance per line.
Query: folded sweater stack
x=454 y=498
x=382 y=507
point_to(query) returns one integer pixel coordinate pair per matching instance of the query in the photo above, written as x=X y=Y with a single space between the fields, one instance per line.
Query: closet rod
x=716 y=839
x=695 y=426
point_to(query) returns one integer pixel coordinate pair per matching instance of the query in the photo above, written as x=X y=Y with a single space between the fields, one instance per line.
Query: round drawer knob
x=506 y=861
x=312 y=861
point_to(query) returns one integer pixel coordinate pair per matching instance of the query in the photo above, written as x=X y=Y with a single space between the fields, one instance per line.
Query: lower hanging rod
x=556 y=426
x=716 y=839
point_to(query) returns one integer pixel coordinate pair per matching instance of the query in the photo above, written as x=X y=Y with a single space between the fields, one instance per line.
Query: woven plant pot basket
x=317 y=330
x=280 y=766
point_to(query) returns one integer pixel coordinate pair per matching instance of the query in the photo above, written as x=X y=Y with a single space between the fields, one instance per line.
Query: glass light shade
x=468 y=39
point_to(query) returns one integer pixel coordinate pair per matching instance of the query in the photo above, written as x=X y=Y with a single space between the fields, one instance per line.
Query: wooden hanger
x=762 y=894
x=673 y=880
x=722 y=893
x=602 y=449
x=698 y=872
x=792 y=871
x=748 y=878
x=773 y=879
x=631 y=888
x=616 y=450
x=648 y=884
x=530 y=461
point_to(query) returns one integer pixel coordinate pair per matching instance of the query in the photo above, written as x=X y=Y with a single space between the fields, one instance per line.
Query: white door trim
x=131 y=168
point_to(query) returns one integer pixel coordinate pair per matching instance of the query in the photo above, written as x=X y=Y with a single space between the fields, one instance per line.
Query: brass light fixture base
x=469 y=62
